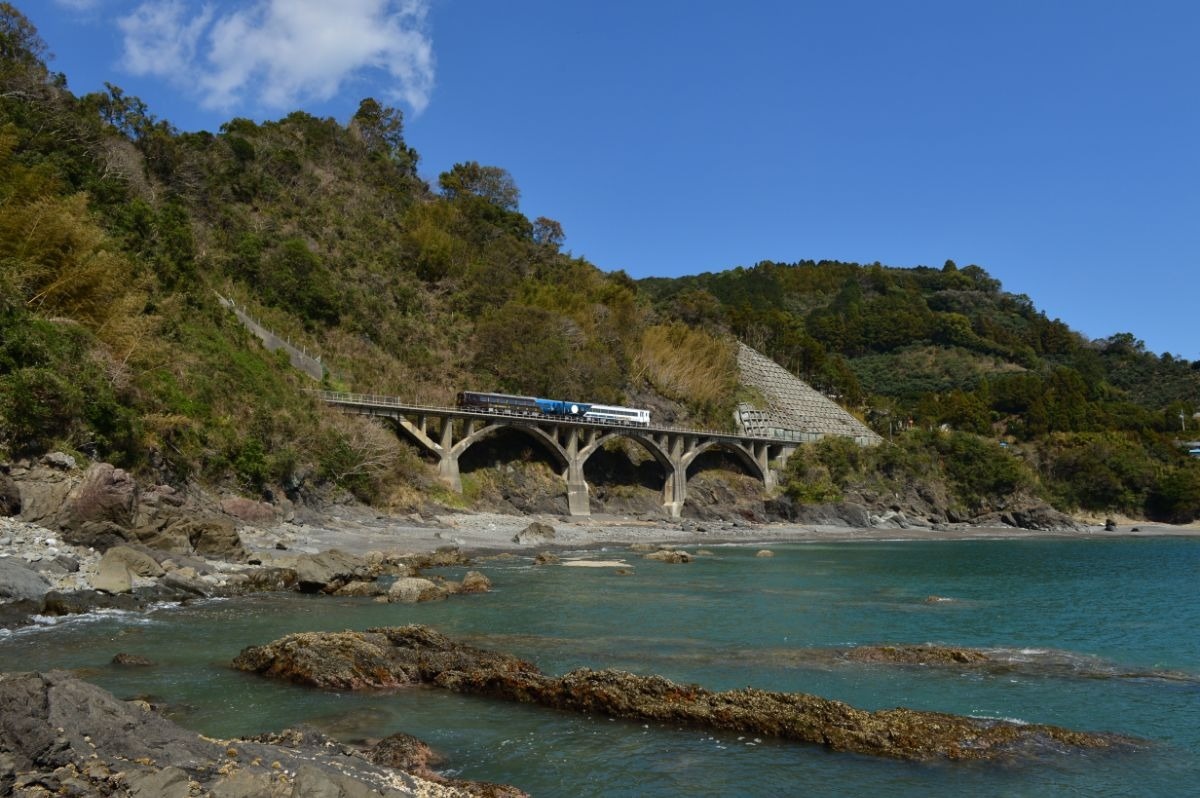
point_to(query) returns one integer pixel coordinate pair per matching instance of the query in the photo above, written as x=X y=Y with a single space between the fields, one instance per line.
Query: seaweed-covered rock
x=669 y=555
x=917 y=655
x=411 y=589
x=475 y=582
x=391 y=657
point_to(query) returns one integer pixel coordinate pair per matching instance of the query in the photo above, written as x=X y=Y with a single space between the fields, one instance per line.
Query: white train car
x=611 y=414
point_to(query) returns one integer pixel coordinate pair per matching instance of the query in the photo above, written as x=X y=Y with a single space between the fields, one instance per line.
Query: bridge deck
x=375 y=401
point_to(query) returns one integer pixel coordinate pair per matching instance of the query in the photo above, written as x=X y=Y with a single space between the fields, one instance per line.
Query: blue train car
x=537 y=406
x=520 y=405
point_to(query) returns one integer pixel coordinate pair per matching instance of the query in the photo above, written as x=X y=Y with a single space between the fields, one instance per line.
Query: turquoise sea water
x=1104 y=635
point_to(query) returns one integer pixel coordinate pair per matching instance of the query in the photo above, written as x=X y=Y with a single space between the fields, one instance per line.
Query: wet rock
x=444 y=557
x=269 y=578
x=397 y=656
x=1110 y=525
x=57 y=603
x=669 y=556
x=917 y=655
x=405 y=752
x=186 y=583
x=475 y=582
x=360 y=587
x=379 y=657
x=764 y=553
x=18 y=581
x=537 y=532
x=546 y=558
x=131 y=661
x=411 y=589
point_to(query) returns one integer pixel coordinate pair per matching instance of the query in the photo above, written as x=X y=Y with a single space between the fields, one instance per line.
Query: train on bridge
x=507 y=404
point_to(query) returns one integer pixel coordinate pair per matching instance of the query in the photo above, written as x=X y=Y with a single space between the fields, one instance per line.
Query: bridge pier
x=578 y=493
x=675 y=484
x=448 y=458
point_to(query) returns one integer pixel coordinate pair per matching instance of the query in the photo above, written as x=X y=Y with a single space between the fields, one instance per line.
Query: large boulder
x=411 y=589
x=216 y=539
x=537 y=532
x=19 y=581
x=106 y=493
x=475 y=582
x=113 y=576
x=327 y=571
x=99 y=535
x=138 y=562
x=43 y=491
x=248 y=510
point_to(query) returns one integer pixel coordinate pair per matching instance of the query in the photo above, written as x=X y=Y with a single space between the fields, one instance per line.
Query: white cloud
x=160 y=40
x=78 y=5
x=277 y=54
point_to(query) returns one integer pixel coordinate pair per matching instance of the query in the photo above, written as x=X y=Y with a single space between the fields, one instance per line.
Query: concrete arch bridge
x=447 y=433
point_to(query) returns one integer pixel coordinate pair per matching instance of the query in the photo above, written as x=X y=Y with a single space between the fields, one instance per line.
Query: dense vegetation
x=117 y=232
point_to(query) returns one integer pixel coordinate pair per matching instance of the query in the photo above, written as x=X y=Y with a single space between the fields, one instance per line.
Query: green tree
x=381 y=129
x=490 y=183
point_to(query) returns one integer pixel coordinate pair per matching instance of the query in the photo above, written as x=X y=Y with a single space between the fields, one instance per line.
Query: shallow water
x=1102 y=635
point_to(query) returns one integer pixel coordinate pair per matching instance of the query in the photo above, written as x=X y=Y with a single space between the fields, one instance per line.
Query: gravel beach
x=491 y=533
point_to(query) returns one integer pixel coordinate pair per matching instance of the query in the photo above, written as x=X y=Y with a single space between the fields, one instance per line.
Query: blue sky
x=1055 y=143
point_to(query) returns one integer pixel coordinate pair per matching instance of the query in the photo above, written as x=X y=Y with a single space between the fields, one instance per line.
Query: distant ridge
x=794 y=408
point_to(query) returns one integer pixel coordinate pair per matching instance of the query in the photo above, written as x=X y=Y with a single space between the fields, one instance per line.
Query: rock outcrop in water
x=917 y=655
x=62 y=736
x=397 y=656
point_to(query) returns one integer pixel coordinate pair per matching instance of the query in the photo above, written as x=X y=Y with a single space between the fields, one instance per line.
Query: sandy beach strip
x=491 y=533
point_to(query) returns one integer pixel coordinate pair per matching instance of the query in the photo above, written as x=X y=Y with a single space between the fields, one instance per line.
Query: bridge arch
x=646 y=442
x=548 y=442
x=752 y=465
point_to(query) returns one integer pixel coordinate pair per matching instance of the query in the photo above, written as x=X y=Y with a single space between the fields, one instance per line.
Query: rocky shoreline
x=75 y=540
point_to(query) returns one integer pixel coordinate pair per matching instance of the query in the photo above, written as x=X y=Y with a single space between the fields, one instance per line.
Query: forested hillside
x=1099 y=423
x=117 y=232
